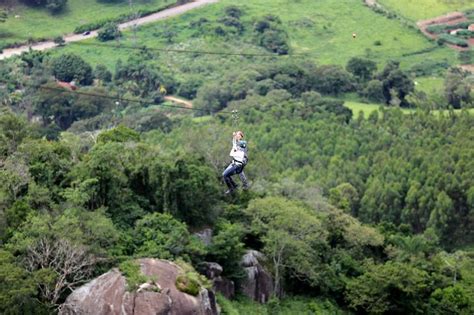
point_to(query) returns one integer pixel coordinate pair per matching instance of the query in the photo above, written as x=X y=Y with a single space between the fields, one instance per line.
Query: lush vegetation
x=325 y=37
x=356 y=213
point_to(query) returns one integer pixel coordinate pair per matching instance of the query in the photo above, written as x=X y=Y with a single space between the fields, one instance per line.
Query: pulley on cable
x=235 y=117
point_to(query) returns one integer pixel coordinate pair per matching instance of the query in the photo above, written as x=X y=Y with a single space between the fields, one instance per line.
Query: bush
x=69 y=67
x=55 y=5
x=109 y=32
x=275 y=41
x=59 y=40
x=187 y=284
x=133 y=275
x=118 y=134
x=270 y=36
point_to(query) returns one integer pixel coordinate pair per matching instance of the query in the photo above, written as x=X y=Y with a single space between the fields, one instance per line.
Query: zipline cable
x=139 y=101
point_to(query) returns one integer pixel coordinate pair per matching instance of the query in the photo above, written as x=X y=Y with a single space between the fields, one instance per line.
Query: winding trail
x=140 y=21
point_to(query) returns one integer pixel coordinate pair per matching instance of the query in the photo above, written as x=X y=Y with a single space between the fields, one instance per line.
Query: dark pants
x=232 y=169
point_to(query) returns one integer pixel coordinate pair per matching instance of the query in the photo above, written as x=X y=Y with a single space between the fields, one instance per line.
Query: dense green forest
x=355 y=214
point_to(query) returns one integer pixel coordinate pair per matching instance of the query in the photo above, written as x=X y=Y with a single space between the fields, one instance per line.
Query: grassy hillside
x=323 y=29
x=425 y=9
x=40 y=23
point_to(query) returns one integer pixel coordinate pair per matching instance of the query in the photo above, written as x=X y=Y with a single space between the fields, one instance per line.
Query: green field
x=358 y=107
x=322 y=29
x=424 y=9
x=429 y=84
x=40 y=23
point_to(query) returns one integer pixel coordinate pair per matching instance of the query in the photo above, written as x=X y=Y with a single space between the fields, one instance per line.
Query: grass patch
x=132 y=273
x=36 y=22
x=190 y=281
x=429 y=84
x=424 y=9
x=358 y=107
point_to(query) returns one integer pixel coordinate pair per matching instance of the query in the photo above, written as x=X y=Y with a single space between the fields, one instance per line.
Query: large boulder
x=220 y=284
x=259 y=283
x=107 y=295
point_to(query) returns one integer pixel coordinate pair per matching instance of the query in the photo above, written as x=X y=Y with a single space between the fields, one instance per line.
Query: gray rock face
x=107 y=295
x=220 y=284
x=224 y=286
x=259 y=283
x=205 y=236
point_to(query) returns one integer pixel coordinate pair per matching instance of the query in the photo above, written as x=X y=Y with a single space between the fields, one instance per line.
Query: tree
x=392 y=287
x=70 y=67
x=374 y=91
x=118 y=134
x=361 y=68
x=102 y=74
x=110 y=31
x=442 y=214
x=291 y=235
x=18 y=288
x=64 y=108
x=3 y=15
x=396 y=83
x=457 y=88
x=13 y=130
x=142 y=79
x=162 y=236
x=345 y=197
x=61 y=266
x=227 y=248
x=332 y=80
x=451 y=300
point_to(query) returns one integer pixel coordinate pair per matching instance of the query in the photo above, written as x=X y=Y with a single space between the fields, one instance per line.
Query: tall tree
x=457 y=88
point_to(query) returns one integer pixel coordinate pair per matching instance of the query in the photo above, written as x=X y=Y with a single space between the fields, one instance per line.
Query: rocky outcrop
x=220 y=284
x=107 y=295
x=259 y=283
x=205 y=236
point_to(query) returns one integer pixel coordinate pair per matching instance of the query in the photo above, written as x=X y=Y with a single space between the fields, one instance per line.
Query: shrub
x=109 y=32
x=69 y=67
x=133 y=275
x=275 y=41
x=187 y=284
x=59 y=40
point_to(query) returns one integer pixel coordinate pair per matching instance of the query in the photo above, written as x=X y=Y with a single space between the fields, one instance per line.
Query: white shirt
x=237 y=153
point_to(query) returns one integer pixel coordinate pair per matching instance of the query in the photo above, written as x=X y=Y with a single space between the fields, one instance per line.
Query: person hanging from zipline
x=239 y=154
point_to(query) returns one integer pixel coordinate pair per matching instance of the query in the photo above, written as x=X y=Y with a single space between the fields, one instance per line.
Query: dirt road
x=78 y=37
x=179 y=101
